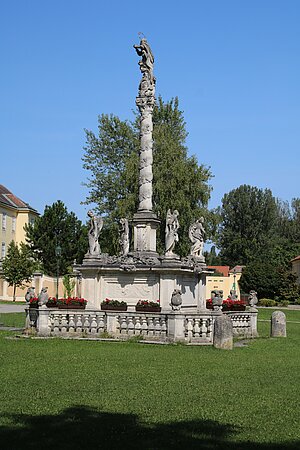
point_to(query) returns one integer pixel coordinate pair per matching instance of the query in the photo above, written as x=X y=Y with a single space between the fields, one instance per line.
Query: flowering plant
x=148 y=304
x=34 y=302
x=228 y=305
x=112 y=302
x=51 y=301
x=69 y=301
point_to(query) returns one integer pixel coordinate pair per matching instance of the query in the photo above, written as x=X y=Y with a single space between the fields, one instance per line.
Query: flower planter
x=51 y=305
x=71 y=306
x=147 y=309
x=113 y=308
x=238 y=308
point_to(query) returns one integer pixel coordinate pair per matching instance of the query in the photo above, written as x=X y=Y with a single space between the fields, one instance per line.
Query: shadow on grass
x=82 y=427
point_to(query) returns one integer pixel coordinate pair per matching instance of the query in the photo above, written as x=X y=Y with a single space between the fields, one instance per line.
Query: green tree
x=17 y=266
x=248 y=224
x=57 y=227
x=178 y=181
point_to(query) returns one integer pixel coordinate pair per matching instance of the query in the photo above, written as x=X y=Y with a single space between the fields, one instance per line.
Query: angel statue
x=172 y=226
x=96 y=224
x=196 y=235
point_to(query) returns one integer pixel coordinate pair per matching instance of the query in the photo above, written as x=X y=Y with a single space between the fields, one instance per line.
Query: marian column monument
x=145 y=221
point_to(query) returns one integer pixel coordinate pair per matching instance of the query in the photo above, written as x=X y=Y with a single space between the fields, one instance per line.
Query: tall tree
x=178 y=181
x=57 y=227
x=17 y=266
x=248 y=221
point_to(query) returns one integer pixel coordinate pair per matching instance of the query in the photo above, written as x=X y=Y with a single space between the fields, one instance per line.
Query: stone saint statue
x=147 y=61
x=172 y=226
x=124 y=236
x=96 y=224
x=196 y=235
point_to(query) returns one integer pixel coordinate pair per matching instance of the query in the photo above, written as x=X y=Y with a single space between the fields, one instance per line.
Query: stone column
x=145 y=221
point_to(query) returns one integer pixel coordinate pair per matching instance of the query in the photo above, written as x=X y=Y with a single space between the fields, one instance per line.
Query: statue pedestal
x=145 y=225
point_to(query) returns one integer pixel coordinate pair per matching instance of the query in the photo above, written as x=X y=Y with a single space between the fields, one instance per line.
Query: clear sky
x=234 y=64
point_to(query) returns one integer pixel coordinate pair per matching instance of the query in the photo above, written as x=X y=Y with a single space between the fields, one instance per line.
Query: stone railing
x=196 y=327
x=244 y=323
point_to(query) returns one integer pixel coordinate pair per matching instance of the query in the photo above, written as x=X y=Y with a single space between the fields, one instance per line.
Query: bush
x=283 y=303
x=267 y=302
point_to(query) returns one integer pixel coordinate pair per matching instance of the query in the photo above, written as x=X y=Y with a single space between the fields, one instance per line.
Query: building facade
x=14 y=214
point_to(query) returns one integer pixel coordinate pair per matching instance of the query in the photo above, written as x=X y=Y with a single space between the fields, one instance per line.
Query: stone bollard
x=223 y=333
x=278 y=324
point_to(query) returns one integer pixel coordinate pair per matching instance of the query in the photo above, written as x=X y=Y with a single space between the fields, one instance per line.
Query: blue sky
x=234 y=65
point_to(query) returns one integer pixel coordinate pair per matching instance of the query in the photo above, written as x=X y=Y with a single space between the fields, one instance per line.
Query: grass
x=80 y=394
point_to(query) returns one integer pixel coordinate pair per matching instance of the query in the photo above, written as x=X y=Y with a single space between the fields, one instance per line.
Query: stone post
x=223 y=333
x=253 y=322
x=42 y=321
x=278 y=324
x=176 y=326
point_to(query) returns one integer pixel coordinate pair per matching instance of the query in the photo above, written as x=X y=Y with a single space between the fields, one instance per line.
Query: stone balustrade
x=195 y=327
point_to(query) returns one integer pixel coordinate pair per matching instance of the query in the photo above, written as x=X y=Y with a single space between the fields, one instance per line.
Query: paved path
x=7 y=308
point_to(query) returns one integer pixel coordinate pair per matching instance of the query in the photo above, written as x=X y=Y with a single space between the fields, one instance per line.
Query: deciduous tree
x=179 y=182
x=56 y=227
x=17 y=266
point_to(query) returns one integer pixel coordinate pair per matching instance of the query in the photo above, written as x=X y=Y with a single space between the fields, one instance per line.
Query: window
x=3 y=221
x=13 y=225
x=3 y=250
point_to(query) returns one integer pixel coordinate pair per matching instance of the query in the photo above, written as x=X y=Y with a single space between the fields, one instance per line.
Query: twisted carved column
x=145 y=103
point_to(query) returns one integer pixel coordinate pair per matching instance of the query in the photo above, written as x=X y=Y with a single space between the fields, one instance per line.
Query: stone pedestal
x=176 y=328
x=145 y=225
x=278 y=324
x=223 y=333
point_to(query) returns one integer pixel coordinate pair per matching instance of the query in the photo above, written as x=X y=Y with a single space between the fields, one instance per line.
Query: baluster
x=101 y=323
x=130 y=326
x=71 y=323
x=124 y=326
x=150 y=327
x=197 y=327
x=209 y=329
x=163 y=327
x=204 y=328
x=137 y=326
x=157 y=327
x=51 y=322
x=79 y=323
x=93 y=324
x=56 y=323
x=64 y=323
x=86 y=322
x=189 y=328
x=144 y=326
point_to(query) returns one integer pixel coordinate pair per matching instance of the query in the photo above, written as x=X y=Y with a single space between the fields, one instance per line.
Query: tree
x=17 y=266
x=57 y=227
x=178 y=181
x=248 y=224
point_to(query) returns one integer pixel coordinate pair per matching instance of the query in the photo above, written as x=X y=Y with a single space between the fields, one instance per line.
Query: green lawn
x=62 y=394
